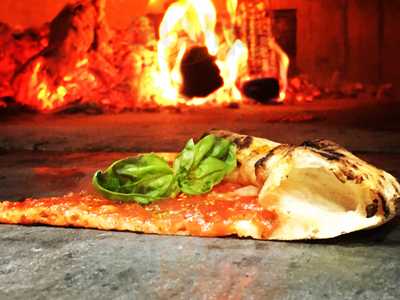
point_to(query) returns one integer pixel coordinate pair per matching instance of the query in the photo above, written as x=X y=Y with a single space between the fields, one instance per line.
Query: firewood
x=75 y=32
x=16 y=47
x=201 y=75
x=262 y=90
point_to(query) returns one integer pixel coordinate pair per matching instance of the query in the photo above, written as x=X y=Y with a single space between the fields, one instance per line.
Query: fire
x=283 y=60
x=189 y=23
x=48 y=95
x=119 y=75
x=48 y=99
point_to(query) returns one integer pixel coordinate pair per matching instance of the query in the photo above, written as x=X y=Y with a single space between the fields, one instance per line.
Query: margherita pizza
x=227 y=184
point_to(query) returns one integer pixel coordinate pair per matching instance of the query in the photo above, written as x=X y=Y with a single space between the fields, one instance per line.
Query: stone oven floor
x=56 y=154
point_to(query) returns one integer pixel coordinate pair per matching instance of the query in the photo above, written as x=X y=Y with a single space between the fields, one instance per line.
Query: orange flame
x=283 y=62
x=190 y=22
x=187 y=23
x=48 y=98
x=47 y=94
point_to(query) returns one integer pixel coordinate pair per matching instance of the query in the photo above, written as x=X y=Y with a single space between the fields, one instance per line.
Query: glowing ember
x=189 y=23
x=84 y=61
x=48 y=99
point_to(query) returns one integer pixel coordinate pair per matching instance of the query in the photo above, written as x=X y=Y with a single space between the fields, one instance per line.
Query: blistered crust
x=318 y=188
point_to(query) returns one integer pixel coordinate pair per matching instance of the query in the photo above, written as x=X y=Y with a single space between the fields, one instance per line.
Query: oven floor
x=359 y=125
x=53 y=155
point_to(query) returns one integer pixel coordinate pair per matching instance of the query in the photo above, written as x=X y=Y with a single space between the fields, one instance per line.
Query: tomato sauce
x=214 y=214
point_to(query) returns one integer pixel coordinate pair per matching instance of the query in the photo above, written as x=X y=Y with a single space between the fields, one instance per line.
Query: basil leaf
x=203 y=149
x=210 y=172
x=147 y=178
x=201 y=166
x=142 y=179
x=186 y=157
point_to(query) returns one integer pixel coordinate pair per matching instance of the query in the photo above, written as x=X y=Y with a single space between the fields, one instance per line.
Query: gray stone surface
x=58 y=263
x=356 y=124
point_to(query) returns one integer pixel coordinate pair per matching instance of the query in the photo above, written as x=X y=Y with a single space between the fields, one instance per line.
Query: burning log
x=201 y=75
x=16 y=47
x=78 y=59
x=262 y=90
x=77 y=31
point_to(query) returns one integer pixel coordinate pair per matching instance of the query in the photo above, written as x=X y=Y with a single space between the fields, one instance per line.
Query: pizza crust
x=319 y=189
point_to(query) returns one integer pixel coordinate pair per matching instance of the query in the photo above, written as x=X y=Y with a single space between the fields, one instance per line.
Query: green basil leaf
x=142 y=179
x=200 y=167
x=203 y=149
x=230 y=160
x=147 y=178
x=220 y=148
x=210 y=172
x=185 y=159
x=208 y=166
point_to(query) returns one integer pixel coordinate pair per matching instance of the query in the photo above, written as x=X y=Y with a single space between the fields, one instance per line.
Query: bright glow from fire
x=283 y=61
x=50 y=96
x=48 y=99
x=185 y=24
x=188 y=23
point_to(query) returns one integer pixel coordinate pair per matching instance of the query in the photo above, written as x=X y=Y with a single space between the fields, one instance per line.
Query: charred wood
x=262 y=90
x=201 y=75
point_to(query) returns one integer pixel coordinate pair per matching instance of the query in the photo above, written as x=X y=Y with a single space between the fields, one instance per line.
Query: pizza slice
x=318 y=189
x=257 y=188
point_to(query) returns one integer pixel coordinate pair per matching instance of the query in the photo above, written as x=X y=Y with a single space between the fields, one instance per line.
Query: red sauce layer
x=214 y=214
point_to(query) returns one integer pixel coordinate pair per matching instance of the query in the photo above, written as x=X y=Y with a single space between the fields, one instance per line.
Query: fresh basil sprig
x=147 y=178
x=199 y=167
x=142 y=179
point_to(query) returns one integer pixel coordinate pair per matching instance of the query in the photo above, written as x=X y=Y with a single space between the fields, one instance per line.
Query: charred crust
x=320 y=145
x=372 y=209
x=258 y=165
x=382 y=180
x=261 y=161
x=329 y=155
x=359 y=179
x=243 y=142
x=350 y=175
x=340 y=178
x=385 y=208
x=324 y=148
x=353 y=177
x=354 y=166
x=396 y=189
x=397 y=205
x=312 y=144
x=265 y=158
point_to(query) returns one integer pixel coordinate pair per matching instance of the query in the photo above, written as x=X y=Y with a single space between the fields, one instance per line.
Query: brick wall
x=357 y=39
